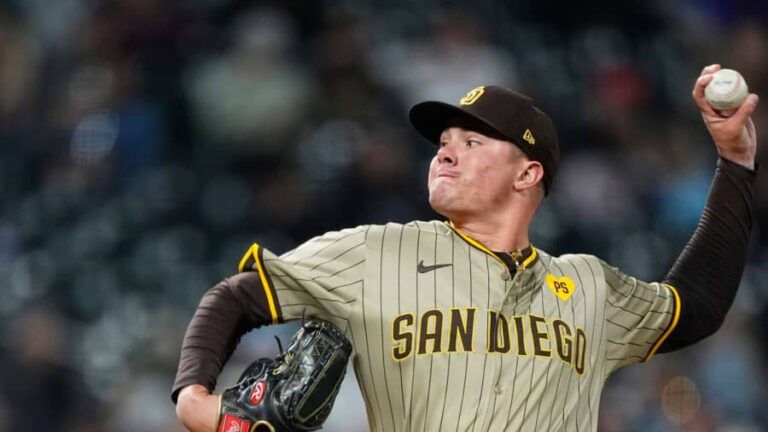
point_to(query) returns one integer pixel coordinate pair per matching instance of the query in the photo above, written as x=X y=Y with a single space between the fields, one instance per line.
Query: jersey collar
x=529 y=255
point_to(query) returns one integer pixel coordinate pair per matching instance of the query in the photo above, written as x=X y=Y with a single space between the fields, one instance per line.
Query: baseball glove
x=292 y=392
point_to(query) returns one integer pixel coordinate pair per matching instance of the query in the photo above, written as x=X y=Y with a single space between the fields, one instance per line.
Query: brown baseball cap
x=500 y=113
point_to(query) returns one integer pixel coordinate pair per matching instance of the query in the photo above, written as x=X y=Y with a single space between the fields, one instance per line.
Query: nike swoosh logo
x=421 y=268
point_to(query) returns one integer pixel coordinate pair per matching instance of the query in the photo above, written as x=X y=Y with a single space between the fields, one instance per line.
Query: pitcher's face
x=472 y=172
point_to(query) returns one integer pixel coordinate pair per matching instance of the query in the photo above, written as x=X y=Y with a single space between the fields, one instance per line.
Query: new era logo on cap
x=528 y=137
x=501 y=113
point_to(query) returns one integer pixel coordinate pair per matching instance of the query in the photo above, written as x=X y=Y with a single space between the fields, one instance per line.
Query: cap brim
x=431 y=118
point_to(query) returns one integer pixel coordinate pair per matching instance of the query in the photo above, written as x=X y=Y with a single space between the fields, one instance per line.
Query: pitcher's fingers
x=746 y=108
x=698 y=94
x=710 y=69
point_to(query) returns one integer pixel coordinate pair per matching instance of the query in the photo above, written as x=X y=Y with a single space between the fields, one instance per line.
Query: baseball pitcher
x=463 y=324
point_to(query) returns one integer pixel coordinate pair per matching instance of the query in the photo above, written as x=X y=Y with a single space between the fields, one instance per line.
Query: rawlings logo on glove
x=258 y=392
x=293 y=392
x=230 y=423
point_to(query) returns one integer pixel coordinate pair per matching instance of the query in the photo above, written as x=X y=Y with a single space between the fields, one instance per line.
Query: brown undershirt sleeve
x=226 y=312
x=708 y=271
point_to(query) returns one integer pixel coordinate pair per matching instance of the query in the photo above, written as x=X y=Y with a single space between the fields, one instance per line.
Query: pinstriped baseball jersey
x=446 y=339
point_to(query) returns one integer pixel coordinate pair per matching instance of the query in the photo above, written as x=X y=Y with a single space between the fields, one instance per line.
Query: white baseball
x=727 y=90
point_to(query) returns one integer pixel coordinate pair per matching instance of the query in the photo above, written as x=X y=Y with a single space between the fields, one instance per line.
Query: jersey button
x=505 y=275
x=498 y=389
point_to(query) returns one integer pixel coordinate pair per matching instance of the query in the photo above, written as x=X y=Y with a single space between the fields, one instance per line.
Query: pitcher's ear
x=531 y=176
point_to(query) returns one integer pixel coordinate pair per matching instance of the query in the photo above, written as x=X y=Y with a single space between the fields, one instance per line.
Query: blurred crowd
x=144 y=145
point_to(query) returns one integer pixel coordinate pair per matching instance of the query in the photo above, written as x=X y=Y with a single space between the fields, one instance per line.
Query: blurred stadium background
x=144 y=145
